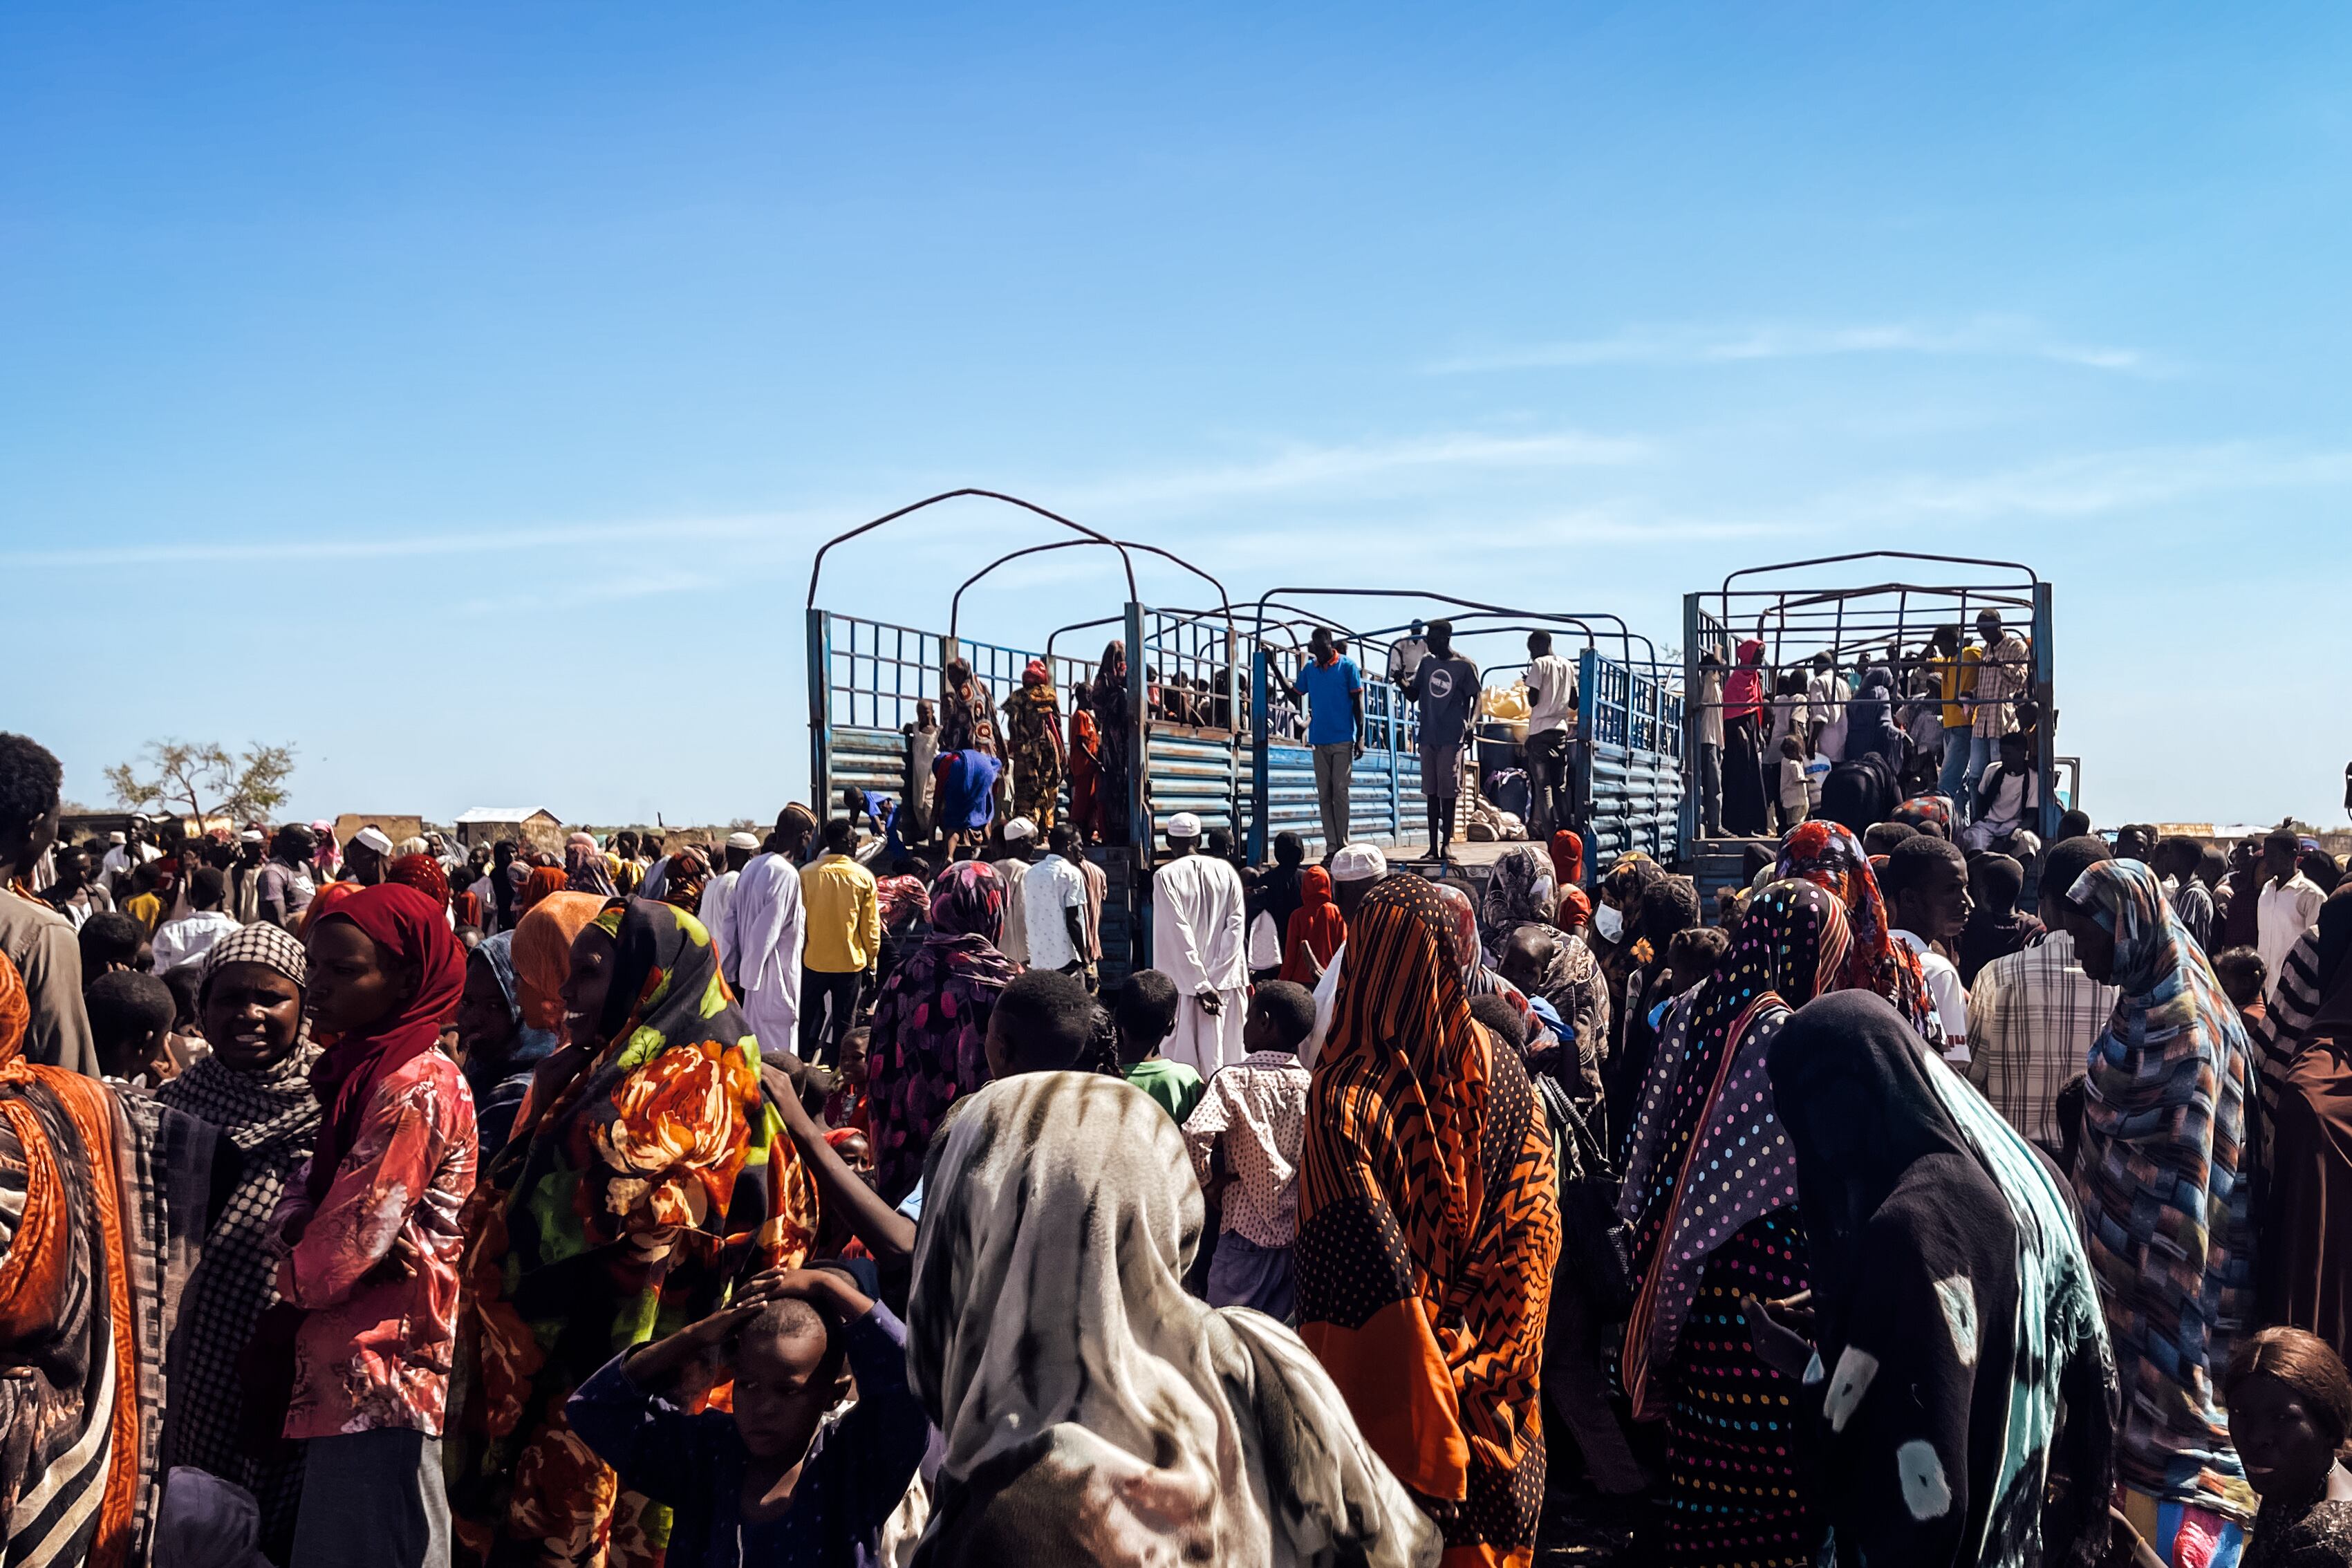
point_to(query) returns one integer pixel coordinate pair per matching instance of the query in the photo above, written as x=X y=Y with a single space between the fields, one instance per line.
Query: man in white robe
x=720 y=891
x=759 y=947
x=1197 y=941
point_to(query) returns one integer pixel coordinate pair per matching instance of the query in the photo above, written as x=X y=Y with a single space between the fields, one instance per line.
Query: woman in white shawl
x=1095 y=1413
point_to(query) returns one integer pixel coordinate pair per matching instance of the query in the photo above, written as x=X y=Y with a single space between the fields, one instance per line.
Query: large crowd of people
x=836 y=1196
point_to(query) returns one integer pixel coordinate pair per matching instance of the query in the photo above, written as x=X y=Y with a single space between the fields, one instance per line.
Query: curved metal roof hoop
x=1625 y=633
x=955 y=604
x=816 y=567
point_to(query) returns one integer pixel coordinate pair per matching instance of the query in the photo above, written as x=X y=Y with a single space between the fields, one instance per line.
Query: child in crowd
x=1043 y=1022
x=1691 y=957
x=845 y=1106
x=1146 y=1016
x=1245 y=1136
x=2243 y=974
x=2290 y=1404
x=781 y=1478
x=112 y=939
x=131 y=1025
x=1796 y=796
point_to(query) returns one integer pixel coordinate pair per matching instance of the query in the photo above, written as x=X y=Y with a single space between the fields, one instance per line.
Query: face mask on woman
x=1607 y=922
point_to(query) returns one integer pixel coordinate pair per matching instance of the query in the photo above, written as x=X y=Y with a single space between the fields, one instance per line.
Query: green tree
x=202 y=779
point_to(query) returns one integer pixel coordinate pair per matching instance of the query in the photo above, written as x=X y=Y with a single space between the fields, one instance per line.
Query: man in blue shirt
x=1333 y=690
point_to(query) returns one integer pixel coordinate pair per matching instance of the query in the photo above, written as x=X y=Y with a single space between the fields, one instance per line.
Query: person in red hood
x=1745 y=815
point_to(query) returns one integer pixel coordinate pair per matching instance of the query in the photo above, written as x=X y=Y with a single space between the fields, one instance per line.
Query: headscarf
x=1054 y=1346
x=1574 y=909
x=1921 y=809
x=1428 y=1221
x=410 y=929
x=1864 y=1106
x=1743 y=688
x=543 y=882
x=657 y=1174
x=422 y=873
x=271 y=1116
x=1567 y=859
x=901 y=900
x=2163 y=1181
x=328 y=855
x=322 y=904
x=689 y=873
x=1829 y=856
x=542 y=953
x=927 y=1043
x=585 y=867
x=1707 y=1156
x=1317 y=923
x=1511 y=899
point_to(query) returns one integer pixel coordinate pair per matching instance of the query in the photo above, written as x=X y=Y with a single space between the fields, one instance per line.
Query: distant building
x=529 y=824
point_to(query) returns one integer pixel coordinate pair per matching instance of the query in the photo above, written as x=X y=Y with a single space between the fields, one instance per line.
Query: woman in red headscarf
x=1567 y=860
x=1033 y=733
x=371 y=1232
x=1745 y=815
x=1317 y=930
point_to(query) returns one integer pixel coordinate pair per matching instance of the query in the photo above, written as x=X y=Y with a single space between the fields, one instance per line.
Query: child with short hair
x=778 y=1479
x=846 y=1105
x=1796 y=795
x=1245 y=1136
x=130 y=1019
x=1145 y=1016
x=1043 y=1022
x=2243 y=974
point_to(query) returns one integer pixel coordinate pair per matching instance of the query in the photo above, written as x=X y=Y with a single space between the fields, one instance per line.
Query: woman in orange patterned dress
x=1428 y=1229
x=619 y=1213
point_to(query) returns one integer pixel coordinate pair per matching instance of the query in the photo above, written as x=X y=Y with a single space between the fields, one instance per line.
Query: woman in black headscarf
x=1954 y=1314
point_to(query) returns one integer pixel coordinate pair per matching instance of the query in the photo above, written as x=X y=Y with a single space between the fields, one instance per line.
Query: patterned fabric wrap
x=1115 y=717
x=683 y=883
x=1921 y=809
x=1708 y=1154
x=655 y=1177
x=585 y=869
x=272 y=1118
x=930 y=1022
x=1828 y=854
x=1477 y=979
x=2166 y=1195
x=1429 y=1225
x=1033 y=732
x=1510 y=899
x=1082 y=1395
x=422 y=873
x=96 y=1207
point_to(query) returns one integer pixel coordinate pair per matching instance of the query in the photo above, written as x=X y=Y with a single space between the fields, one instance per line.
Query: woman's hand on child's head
x=827 y=1288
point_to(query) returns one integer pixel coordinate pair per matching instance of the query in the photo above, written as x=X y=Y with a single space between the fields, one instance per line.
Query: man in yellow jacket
x=844 y=937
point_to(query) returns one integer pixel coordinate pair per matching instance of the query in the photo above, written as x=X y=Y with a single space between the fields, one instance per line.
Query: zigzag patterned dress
x=1428 y=1229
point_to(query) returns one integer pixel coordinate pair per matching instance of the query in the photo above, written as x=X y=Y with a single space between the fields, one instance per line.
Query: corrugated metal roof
x=505 y=813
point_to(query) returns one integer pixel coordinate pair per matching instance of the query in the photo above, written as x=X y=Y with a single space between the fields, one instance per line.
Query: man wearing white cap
x=1354 y=869
x=367 y=856
x=1020 y=839
x=244 y=904
x=720 y=890
x=758 y=936
x=1197 y=941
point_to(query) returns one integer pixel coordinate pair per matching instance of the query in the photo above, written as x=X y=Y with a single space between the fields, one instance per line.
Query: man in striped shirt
x=2033 y=1013
x=2004 y=673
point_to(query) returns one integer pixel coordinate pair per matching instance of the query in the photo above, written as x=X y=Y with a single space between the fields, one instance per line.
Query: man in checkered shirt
x=2004 y=674
x=2033 y=1013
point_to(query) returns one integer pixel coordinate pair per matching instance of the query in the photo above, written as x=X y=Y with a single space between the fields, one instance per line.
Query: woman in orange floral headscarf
x=652 y=1179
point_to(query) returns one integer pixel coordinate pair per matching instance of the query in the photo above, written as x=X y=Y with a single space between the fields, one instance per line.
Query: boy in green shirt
x=1145 y=1016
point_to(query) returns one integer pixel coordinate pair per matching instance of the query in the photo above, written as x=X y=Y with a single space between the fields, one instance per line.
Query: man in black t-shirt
x=1446 y=688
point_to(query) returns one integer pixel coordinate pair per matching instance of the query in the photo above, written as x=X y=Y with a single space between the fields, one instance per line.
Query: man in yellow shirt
x=844 y=936
x=1955 y=680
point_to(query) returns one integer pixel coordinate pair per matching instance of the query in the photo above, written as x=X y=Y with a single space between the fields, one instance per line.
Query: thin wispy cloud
x=388 y=547
x=1328 y=468
x=1694 y=344
x=2092 y=483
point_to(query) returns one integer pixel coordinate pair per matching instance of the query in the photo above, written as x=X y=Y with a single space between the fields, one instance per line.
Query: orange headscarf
x=1317 y=921
x=542 y=950
x=543 y=881
x=321 y=903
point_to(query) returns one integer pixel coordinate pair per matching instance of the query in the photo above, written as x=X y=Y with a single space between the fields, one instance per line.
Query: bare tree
x=205 y=779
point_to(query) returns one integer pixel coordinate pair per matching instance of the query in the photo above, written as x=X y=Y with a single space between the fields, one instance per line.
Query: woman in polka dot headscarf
x=1711 y=1194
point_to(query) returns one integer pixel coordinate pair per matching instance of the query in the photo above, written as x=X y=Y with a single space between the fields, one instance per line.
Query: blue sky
x=458 y=392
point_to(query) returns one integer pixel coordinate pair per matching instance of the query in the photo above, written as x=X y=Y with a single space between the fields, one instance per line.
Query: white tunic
x=1197 y=941
x=760 y=947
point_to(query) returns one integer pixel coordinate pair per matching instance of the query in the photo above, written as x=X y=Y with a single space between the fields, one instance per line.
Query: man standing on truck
x=1552 y=731
x=2004 y=672
x=1333 y=689
x=1446 y=687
